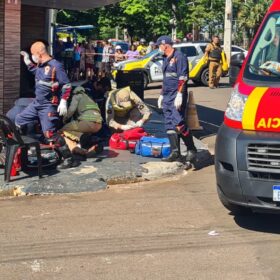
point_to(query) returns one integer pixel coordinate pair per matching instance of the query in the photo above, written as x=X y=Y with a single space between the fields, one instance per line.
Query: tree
x=207 y=15
x=250 y=17
x=69 y=17
x=142 y=18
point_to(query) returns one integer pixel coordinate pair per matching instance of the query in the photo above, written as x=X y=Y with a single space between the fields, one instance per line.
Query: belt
x=171 y=75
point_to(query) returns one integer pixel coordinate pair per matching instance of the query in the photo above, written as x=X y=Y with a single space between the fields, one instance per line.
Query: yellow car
x=151 y=64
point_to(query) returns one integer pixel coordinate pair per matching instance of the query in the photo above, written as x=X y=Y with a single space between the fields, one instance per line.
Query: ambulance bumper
x=247 y=165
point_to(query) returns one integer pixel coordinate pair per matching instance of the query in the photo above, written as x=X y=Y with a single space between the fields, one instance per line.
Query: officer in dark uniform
x=52 y=89
x=173 y=99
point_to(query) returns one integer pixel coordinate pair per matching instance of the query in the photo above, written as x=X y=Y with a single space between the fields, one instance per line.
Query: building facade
x=21 y=23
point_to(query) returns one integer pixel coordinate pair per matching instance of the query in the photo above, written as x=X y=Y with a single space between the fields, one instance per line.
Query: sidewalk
x=111 y=167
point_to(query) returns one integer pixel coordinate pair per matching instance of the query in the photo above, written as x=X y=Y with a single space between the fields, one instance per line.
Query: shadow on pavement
x=210 y=119
x=259 y=222
x=203 y=163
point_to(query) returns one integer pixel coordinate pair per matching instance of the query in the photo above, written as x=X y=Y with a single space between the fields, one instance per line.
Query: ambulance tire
x=146 y=80
x=235 y=209
x=204 y=78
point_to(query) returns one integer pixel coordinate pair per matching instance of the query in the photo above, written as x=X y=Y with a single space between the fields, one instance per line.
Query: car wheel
x=235 y=209
x=146 y=80
x=204 y=78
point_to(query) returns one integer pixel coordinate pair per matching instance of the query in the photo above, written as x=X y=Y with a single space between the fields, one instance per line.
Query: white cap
x=118 y=47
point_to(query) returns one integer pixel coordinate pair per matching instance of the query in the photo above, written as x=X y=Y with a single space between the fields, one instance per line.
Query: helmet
x=142 y=40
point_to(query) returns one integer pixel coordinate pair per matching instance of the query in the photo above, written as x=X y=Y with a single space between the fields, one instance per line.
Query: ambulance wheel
x=146 y=80
x=205 y=77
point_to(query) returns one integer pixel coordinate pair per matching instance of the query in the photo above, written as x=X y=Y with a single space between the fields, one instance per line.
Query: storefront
x=22 y=22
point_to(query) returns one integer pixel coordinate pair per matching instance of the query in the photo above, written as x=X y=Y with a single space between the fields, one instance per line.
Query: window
x=203 y=48
x=264 y=63
x=188 y=51
x=235 y=49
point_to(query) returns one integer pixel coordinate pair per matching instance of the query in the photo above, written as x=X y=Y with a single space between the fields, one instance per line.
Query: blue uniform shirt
x=51 y=82
x=175 y=70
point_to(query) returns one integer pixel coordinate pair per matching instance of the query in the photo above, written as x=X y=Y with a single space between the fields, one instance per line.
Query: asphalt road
x=173 y=228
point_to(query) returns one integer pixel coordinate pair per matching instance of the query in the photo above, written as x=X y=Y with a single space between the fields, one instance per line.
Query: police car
x=151 y=64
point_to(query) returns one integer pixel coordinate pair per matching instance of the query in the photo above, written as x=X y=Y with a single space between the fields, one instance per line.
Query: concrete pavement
x=170 y=229
x=111 y=167
x=173 y=228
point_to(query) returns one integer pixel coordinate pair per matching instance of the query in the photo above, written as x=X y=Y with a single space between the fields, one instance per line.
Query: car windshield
x=150 y=54
x=264 y=62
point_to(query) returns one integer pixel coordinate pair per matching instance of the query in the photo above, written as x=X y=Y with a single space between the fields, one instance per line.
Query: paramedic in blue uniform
x=52 y=89
x=173 y=100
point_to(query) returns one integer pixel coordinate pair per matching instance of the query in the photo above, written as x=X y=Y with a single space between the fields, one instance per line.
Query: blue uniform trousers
x=172 y=116
x=44 y=111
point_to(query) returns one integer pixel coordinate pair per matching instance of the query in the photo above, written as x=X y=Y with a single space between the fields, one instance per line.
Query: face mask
x=35 y=58
x=160 y=51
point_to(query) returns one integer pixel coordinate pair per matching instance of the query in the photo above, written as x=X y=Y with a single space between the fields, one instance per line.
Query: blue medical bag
x=149 y=146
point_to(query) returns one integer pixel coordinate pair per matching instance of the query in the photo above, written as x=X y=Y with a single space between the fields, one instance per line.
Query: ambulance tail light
x=235 y=107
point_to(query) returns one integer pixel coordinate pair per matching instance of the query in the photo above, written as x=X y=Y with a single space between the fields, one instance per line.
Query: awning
x=69 y=4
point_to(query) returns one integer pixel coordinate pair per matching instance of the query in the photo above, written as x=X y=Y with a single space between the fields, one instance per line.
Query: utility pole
x=51 y=22
x=228 y=29
x=117 y=32
x=174 y=23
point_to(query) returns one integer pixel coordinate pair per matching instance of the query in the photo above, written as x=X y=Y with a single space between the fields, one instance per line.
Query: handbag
x=153 y=147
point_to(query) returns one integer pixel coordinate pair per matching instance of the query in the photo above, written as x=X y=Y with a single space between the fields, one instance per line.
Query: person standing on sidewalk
x=173 y=100
x=213 y=52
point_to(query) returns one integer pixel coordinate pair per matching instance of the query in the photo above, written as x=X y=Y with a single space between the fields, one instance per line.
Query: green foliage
x=251 y=15
x=151 y=18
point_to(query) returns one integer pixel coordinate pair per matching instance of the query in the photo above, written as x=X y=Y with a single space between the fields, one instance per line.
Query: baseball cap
x=118 y=47
x=123 y=98
x=164 y=40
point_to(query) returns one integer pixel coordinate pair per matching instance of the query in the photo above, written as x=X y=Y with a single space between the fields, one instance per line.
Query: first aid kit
x=153 y=147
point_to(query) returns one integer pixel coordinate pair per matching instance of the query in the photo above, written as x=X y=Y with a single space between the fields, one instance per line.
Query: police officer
x=52 y=89
x=125 y=110
x=213 y=52
x=173 y=100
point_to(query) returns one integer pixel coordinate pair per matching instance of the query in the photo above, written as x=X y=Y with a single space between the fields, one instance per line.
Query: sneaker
x=174 y=156
x=68 y=163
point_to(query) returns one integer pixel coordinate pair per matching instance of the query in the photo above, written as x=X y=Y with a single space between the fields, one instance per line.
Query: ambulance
x=247 y=156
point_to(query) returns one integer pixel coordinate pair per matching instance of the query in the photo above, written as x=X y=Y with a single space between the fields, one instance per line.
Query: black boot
x=175 y=151
x=68 y=163
x=191 y=149
x=68 y=160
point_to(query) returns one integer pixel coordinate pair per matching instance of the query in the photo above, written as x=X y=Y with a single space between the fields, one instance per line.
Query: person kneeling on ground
x=125 y=110
x=86 y=120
